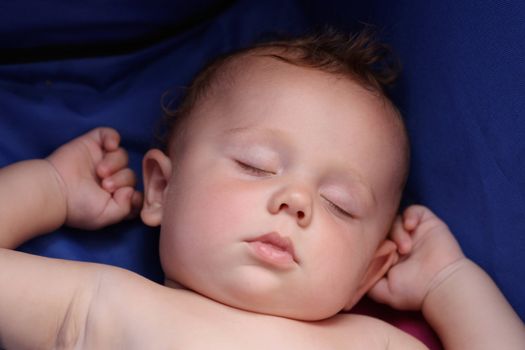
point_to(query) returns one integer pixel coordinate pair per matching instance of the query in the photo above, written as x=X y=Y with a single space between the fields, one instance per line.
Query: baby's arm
x=85 y=184
x=456 y=296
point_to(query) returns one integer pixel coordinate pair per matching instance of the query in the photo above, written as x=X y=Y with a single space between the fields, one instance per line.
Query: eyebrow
x=247 y=129
x=236 y=130
x=278 y=137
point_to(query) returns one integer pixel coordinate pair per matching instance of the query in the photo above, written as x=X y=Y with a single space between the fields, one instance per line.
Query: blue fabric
x=108 y=62
x=78 y=23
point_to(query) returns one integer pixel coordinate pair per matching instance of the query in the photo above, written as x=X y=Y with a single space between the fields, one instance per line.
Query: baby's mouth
x=274 y=249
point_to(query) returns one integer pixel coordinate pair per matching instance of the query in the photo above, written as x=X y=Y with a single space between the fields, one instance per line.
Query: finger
x=119 y=206
x=401 y=237
x=123 y=178
x=380 y=292
x=107 y=138
x=112 y=162
x=136 y=205
x=413 y=216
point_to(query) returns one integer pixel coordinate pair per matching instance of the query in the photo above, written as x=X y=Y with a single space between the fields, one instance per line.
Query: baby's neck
x=174 y=284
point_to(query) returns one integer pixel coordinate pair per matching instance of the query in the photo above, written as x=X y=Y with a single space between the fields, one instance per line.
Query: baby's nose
x=294 y=200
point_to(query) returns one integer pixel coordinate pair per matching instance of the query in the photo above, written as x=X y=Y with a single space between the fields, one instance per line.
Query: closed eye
x=253 y=170
x=338 y=209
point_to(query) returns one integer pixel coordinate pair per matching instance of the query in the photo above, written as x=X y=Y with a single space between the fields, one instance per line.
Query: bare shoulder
x=129 y=311
x=126 y=309
x=375 y=332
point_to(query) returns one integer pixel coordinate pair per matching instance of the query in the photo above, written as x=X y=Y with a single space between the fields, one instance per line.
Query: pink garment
x=411 y=322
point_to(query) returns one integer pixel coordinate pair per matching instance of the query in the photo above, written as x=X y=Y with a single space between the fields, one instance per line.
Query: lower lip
x=271 y=254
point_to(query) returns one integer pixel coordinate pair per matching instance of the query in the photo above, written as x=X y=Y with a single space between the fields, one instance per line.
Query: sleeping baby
x=277 y=197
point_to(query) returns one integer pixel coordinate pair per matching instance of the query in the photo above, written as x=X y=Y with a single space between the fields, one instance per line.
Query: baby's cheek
x=228 y=207
x=211 y=210
x=339 y=259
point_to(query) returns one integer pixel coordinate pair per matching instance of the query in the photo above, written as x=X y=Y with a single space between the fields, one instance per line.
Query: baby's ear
x=156 y=171
x=385 y=256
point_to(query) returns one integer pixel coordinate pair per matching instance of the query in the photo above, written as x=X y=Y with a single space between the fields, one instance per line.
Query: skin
x=276 y=152
x=86 y=183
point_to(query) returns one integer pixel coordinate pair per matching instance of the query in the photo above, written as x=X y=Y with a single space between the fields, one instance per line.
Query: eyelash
x=253 y=170
x=338 y=209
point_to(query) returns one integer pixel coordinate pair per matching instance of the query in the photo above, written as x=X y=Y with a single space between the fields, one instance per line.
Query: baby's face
x=282 y=193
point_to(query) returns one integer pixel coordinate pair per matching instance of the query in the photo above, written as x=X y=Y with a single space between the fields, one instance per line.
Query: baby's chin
x=303 y=313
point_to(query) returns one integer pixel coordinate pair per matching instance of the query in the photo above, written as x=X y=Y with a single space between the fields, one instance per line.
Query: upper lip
x=274 y=238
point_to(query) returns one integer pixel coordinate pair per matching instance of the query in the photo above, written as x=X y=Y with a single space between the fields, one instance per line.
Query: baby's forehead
x=266 y=66
x=260 y=76
x=259 y=87
x=248 y=75
x=246 y=90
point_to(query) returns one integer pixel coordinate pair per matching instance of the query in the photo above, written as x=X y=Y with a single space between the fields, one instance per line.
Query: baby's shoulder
x=129 y=309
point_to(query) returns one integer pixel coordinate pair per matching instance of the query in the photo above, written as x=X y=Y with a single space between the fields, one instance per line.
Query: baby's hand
x=427 y=251
x=98 y=185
